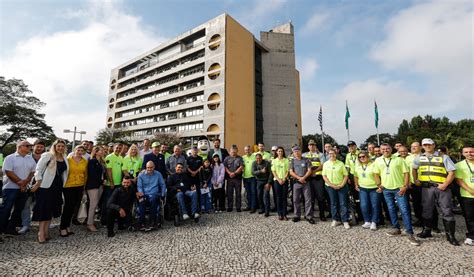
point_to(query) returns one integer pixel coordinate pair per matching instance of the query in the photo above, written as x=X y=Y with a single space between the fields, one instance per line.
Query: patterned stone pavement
x=236 y=243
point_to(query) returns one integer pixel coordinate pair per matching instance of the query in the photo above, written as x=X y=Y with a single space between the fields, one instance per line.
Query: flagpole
x=320 y=118
x=347 y=122
x=378 y=138
x=348 y=136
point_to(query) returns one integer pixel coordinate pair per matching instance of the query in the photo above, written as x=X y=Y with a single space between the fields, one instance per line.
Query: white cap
x=274 y=147
x=427 y=141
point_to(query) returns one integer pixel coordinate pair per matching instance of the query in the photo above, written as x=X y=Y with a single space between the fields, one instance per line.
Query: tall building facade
x=216 y=80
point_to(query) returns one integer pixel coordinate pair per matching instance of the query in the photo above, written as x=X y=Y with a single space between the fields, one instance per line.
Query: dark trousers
x=103 y=208
x=467 y=205
x=318 y=193
x=114 y=215
x=355 y=195
x=263 y=196
x=218 y=199
x=12 y=199
x=434 y=199
x=281 y=191
x=72 y=198
x=415 y=195
x=234 y=185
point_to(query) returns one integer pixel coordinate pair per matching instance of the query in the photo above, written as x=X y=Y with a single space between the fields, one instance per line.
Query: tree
x=384 y=138
x=19 y=113
x=317 y=139
x=171 y=139
x=107 y=135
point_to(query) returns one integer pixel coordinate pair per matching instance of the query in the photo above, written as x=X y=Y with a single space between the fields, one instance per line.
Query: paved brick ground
x=236 y=243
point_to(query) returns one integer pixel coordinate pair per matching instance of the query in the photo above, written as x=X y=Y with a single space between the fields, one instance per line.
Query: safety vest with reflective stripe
x=315 y=161
x=432 y=170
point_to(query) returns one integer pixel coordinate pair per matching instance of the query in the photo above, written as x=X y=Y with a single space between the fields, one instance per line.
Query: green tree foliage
x=20 y=116
x=107 y=135
x=317 y=139
x=453 y=135
x=384 y=138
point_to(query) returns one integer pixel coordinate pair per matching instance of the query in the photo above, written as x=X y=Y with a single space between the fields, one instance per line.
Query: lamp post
x=74 y=135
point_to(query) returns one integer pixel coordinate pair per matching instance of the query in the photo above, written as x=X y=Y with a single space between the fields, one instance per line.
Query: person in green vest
x=465 y=179
x=132 y=163
x=316 y=181
x=249 y=181
x=435 y=172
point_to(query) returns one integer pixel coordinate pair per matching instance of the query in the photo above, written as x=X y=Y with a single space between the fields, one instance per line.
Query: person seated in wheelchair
x=119 y=206
x=151 y=189
x=180 y=185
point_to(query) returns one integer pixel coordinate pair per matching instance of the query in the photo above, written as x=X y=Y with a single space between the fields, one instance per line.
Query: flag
x=376 y=115
x=320 y=117
x=347 y=117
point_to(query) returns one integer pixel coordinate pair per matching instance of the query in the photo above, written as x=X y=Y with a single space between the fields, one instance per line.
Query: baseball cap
x=274 y=148
x=155 y=144
x=311 y=141
x=427 y=141
x=296 y=148
x=351 y=142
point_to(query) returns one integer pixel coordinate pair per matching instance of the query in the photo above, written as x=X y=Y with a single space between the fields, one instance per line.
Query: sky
x=412 y=57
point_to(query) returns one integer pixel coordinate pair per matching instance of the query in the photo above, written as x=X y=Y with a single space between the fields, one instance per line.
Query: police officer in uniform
x=316 y=179
x=434 y=172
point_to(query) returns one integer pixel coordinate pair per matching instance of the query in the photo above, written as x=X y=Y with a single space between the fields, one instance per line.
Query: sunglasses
x=360 y=157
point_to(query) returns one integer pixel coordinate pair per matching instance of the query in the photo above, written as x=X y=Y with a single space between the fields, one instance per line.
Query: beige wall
x=298 y=109
x=239 y=86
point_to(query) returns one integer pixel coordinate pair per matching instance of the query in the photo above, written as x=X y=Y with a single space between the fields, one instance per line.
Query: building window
x=215 y=42
x=214 y=71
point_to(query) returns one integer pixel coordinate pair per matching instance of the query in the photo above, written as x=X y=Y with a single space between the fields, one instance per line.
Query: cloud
x=258 y=13
x=433 y=38
x=314 y=23
x=69 y=70
x=395 y=103
x=308 y=68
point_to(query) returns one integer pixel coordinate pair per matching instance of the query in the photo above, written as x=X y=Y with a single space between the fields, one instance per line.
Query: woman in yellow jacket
x=73 y=188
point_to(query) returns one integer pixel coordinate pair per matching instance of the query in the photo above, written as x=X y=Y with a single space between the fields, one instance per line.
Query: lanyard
x=470 y=169
x=364 y=168
x=387 y=164
x=353 y=158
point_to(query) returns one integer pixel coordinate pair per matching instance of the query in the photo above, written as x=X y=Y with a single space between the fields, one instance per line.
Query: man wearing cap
x=273 y=152
x=234 y=166
x=249 y=180
x=435 y=172
x=300 y=170
x=18 y=169
x=146 y=148
x=157 y=158
x=465 y=179
x=351 y=161
x=316 y=181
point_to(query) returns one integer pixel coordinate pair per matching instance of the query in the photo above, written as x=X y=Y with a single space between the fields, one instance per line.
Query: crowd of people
x=368 y=186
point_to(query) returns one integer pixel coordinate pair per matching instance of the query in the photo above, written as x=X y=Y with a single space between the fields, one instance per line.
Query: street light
x=74 y=135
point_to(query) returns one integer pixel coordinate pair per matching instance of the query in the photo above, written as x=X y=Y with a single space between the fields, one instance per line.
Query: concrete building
x=216 y=80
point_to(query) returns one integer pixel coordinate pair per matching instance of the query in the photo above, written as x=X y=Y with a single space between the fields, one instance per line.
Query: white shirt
x=143 y=152
x=22 y=166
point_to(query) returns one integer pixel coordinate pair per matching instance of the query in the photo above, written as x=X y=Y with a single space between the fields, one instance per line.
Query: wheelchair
x=135 y=225
x=172 y=211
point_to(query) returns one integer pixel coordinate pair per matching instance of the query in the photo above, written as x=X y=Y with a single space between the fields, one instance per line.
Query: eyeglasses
x=360 y=157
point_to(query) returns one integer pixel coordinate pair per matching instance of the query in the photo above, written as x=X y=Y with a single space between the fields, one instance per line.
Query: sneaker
x=196 y=215
x=373 y=226
x=366 y=225
x=469 y=241
x=413 y=240
x=185 y=216
x=334 y=223
x=346 y=225
x=394 y=232
x=23 y=230
x=142 y=227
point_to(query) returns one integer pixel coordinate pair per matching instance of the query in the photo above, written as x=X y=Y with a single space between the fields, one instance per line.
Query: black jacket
x=158 y=160
x=178 y=181
x=122 y=198
x=205 y=175
x=95 y=174
x=224 y=154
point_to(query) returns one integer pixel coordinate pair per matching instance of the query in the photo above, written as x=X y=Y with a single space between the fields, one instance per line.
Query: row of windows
x=159 y=70
x=162 y=105
x=163 y=117
x=182 y=74
x=199 y=126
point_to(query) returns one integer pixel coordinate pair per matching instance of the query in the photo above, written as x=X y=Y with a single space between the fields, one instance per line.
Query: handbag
x=82 y=214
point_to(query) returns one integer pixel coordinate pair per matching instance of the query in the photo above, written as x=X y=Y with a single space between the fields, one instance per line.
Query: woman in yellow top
x=73 y=189
x=280 y=169
x=335 y=175
x=132 y=163
x=370 y=194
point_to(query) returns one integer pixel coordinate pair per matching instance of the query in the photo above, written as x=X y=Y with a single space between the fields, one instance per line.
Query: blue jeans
x=250 y=185
x=154 y=202
x=12 y=199
x=339 y=197
x=390 y=196
x=206 y=202
x=26 y=213
x=264 y=196
x=281 y=192
x=182 y=205
x=370 y=201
